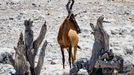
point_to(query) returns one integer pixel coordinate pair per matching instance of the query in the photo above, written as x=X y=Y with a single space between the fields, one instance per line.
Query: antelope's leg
x=70 y=53
x=75 y=52
x=72 y=57
x=63 y=58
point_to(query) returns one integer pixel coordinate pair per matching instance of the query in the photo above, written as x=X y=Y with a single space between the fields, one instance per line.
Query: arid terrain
x=120 y=13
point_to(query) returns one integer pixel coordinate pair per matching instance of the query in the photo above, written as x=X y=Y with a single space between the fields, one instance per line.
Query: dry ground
x=119 y=13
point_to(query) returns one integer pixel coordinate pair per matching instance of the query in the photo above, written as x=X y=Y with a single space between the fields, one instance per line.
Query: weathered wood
x=131 y=72
x=28 y=34
x=100 y=46
x=107 y=64
x=41 y=58
x=21 y=65
x=40 y=38
x=101 y=42
x=26 y=50
x=79 y=64
x=108 y=55
x=29 y=43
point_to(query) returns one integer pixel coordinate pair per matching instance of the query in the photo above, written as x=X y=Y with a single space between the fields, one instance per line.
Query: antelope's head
x=71 y=16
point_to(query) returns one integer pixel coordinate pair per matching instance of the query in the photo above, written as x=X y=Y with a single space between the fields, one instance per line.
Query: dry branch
x=41 y=58
x=41 y=36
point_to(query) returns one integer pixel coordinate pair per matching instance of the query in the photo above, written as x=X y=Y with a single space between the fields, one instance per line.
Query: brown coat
x=68 y=36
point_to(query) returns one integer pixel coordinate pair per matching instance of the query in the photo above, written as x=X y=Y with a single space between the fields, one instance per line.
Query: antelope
x=68 y=35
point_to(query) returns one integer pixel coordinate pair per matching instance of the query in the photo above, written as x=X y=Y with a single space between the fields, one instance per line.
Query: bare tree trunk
x=26 y=50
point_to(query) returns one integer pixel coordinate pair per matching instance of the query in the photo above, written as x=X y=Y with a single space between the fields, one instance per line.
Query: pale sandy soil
x=121 y=29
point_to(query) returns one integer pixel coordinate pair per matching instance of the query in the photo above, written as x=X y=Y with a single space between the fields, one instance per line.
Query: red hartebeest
x=68 y=35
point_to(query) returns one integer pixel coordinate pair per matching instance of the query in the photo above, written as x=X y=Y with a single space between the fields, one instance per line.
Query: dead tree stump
x=26 y=50
x=101 y=43
x=102 y=58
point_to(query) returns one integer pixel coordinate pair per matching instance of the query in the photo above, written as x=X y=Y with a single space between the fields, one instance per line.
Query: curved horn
x=72 y=5
x=69 y=7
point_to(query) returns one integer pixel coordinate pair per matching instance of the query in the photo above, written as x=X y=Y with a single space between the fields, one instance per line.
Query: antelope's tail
x=78 y=47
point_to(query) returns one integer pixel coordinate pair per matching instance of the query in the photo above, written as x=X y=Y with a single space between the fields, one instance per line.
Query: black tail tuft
x=79 y=47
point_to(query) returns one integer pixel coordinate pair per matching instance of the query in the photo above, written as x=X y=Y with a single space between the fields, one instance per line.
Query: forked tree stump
x=26 y=50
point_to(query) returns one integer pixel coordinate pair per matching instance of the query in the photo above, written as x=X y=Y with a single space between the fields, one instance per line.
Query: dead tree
x=26 y=50
x=101 y=43
x=102 y=58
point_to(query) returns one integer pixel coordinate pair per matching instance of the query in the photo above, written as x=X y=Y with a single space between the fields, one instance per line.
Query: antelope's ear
x=75 y=15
